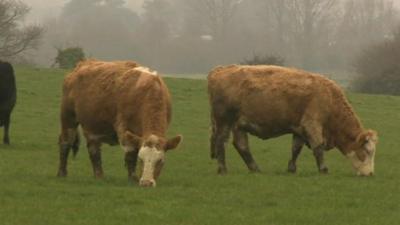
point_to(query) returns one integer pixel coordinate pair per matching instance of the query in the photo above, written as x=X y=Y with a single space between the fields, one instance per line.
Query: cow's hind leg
x=297 y=145
x=6 y=137
x=221 y=136
x=213 y=153
x=67 y=140
x=94 y=149
x=241 y=143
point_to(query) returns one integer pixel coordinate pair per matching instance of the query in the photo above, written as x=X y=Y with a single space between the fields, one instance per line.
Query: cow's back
x=269 y=96
x=90 y=93
x=274 y=81
x=145 y=102
x=104 y=95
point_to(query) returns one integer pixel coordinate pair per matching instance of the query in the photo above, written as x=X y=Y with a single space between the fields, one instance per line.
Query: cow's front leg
x=95 y=157
x=130 y=162
x=297 y=145
x=316 y=142
x=241 y=143
x=319 y=157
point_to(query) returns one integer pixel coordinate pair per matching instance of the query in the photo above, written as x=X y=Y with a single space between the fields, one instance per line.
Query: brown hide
x=269 y=101
x=110 y=98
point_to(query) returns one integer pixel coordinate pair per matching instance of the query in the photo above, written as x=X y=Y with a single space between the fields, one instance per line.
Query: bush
x=264 y=60
x=68 y=58
x=378 y=69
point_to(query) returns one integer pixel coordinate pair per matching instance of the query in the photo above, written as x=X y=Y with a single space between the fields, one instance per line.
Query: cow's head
x=151 y=155
x=363 y=155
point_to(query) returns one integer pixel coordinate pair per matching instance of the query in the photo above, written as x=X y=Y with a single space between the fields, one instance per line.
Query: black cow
x=8 y=97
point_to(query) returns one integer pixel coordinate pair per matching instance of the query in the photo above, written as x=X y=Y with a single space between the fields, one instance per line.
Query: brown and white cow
x=117 y=102
x=269 y=101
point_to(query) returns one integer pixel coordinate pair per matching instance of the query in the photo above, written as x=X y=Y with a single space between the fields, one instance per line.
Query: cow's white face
x=151 y=160
x=363 y=158
x=151 y=156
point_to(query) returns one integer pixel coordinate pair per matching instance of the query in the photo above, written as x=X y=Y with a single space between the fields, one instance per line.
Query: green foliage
x=189 y=191
x=379 y=69
x=264 y=60
x=68 y=58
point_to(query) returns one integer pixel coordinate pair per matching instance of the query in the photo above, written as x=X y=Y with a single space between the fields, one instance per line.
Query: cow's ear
x=372 y=136
x=132 y=140
x=368 y=136
x=173 y=142
x=368 y=140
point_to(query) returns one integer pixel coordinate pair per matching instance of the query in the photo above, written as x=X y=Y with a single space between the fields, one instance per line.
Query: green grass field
x=189 y=191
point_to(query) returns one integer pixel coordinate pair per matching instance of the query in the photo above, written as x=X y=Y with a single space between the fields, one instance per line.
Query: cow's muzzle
x=147 y=183
x=366 y=174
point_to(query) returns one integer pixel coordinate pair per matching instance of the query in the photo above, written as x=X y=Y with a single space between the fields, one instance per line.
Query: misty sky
x=41 y=9
x=169 y=36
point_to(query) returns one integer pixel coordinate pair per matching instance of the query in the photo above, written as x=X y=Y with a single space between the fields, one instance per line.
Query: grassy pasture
x=189 y=190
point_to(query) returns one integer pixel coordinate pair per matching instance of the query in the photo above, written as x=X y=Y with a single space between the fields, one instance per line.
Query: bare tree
x=217 y=15
x=368 y=20
x=15 y=38
x=361 y=24
x=300 y=27
x=155 y=32
x=312 y=20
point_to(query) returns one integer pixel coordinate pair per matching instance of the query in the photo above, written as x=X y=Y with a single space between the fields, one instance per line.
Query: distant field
x=189 y=191
x=198 y=76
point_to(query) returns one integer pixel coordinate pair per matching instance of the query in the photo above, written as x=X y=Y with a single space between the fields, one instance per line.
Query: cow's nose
x=366 y=174
x=147 y=183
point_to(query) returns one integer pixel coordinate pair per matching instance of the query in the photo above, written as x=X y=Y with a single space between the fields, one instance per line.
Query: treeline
x=191 y=36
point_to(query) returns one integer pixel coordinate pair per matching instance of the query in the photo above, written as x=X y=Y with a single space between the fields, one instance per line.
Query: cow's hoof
x=98 y=175
x=291 y=167
x=324 y=170
x=222 y=171
x=213 y=155
x=254 y=169
x=133 y=178
x=61 y=173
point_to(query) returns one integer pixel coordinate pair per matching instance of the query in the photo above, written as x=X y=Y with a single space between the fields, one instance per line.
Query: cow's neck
x=153 y=131
x=346 y=127
x=155 y=123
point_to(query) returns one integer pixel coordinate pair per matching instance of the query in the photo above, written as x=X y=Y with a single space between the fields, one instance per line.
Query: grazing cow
x=270 y=101
x=8 y=97
x=117 y=102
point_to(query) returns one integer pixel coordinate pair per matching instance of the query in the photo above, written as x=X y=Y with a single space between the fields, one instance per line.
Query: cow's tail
x=76 y=143
x=213 y=153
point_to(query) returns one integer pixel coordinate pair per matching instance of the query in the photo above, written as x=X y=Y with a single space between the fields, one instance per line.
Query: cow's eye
x=160 y=161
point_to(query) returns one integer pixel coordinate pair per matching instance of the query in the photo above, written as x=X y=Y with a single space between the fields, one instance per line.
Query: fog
x=41 y=10
x=192 y=36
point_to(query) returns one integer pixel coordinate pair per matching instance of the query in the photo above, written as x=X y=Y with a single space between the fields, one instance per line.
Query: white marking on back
x=146 y=70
